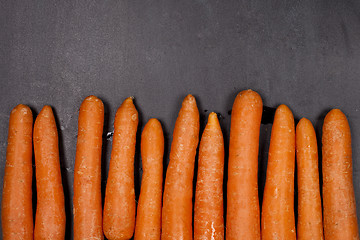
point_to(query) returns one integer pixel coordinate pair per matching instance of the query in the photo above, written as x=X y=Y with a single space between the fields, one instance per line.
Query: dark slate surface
x=305 y=54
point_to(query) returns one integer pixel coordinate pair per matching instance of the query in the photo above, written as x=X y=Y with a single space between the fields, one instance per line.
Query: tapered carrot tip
x=128 y=103
x=334 y=114
x=189 y=99
x=153 y=122
x=284 y=109
x=304 y=123
x=213 y=120
x=46 y=111
x=21 y=108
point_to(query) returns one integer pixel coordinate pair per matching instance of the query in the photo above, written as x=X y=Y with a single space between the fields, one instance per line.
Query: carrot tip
x=189 y=97
x=46 y=111
x=24 y=109
x=212 y=116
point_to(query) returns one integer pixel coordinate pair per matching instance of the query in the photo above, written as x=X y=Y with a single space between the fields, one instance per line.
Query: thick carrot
x=87 y=172
x=177 y=200
x=243 y=210
x=340 y=220
x=119 y=208
x=209 y=208
x=309 y=224
x=148 y=219
x=278 y=220
x=16 y=208
x=50 y=209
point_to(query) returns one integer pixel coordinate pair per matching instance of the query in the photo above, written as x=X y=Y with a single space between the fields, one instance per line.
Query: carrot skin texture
x=243 y=210
x=278 y=220
x=50 y=217
x=16 y=207
x=310 y=224
x=87 y=173
x=177 y=199
x=148 y=219
x=209 y=208
x=340 y=221
x=119 y=208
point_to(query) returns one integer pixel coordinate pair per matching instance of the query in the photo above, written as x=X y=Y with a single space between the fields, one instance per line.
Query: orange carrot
x=50 y=209
x=148 y=219
x=309 y=200
x=87 y=172
x=177 y=200
x=16 y=208
x=340 y=220
x=209 y=208
x=243 y=210
x=278 y=220
x=119 y=209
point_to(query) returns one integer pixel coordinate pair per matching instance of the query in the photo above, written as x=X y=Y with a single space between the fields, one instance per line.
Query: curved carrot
x=340 y=220
x=209 y=208
x=16 y=205
x=119 y=208
x=148 y=219
x=278 y=220
x=309 y=200
x=177 y=200
x=243 y=210
x=50 y=217
x=87 y=172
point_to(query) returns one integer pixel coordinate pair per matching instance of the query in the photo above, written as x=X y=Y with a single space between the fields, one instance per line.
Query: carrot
x=243 y=210
x=340 y=220
x=177 y=200
x=278 y=220
x=50 y=217
x=148 y=219
x=119 y=208
x=87 y=172
x=209 y=208
x=309 y=224
x=16 y=208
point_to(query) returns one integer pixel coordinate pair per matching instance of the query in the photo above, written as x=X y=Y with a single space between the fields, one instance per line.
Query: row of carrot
x=169 y=214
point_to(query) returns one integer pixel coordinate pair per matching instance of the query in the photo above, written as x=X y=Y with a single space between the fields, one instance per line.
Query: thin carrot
x=87 y=172
x=209 y=208
x=309 y=200
x=177 y=200
x=16 y=208
x=340 y=221
x=119 y=208
x=50 y=217
x=278 y=220
x=243 y=210
x=148 y=219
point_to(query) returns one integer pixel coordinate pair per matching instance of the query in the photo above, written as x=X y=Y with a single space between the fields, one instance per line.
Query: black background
x=305 y=54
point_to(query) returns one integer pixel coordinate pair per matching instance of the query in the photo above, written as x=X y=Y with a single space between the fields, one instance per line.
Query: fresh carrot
x=340 y=221
x=119 y=208
x=209 y=208
x=16 y=208
x=278 y=219
x=148 y=219
x=177 y=200
x=87 y=172
x=243 y=210
x=309 y=224
x=50 y=217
